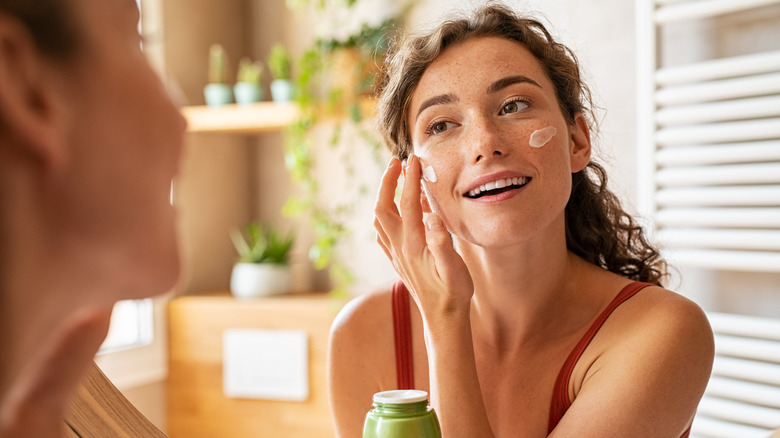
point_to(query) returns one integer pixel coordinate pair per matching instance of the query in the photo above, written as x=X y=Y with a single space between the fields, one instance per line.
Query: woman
x=89 y=143
x=539 y=307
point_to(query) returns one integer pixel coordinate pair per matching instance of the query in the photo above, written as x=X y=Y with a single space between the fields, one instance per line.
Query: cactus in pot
x=217 y=92
x=247 y=89
x=279 y=65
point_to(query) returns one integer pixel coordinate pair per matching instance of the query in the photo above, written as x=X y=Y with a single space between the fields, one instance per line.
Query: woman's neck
x=520 y=291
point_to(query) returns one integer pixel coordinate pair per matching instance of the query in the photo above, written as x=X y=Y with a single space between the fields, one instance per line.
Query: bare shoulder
x=660 y=313
x=360 y=358
x=648 y=365
x=662 y=324
x=364 y=317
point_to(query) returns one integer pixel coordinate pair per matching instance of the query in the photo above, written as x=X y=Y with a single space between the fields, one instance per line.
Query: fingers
x=381 y=239
x=387 y=219
x=411 y=207
x=448 y=261
x=385 y=210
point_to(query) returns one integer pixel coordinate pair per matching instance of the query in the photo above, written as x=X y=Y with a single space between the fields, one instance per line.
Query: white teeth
x=498 y=184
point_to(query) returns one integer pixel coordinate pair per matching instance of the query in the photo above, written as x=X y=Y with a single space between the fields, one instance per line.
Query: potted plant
x=263 y=266
x=217 y=92
x=247 y=89
x=279 y=65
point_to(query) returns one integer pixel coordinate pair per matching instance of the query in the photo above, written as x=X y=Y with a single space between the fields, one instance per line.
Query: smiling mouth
x=498 y=186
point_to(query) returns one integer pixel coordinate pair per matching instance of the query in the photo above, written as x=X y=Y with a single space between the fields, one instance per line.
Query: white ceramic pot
x=282 y=90
x=251 y=280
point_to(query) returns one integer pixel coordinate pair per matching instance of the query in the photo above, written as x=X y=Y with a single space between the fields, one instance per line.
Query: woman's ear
x=579 y=141
x=31 y=108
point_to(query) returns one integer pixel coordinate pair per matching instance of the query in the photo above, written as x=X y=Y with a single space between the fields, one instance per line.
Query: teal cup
x=401 y=414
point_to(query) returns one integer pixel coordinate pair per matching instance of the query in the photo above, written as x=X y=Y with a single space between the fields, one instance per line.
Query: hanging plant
x=334 y=81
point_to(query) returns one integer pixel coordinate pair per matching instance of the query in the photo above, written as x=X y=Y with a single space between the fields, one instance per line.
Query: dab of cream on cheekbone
x=428 y=173
x=541 y=137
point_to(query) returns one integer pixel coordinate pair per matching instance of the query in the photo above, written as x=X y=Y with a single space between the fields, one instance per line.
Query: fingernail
x=434 y=222
x=405 y=163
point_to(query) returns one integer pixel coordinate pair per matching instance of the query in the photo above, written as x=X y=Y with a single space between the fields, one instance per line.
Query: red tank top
x=560 y=401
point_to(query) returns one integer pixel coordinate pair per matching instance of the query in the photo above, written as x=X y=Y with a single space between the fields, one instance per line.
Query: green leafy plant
x=249 y=71
x=259 y=244
x=279 y=62
x=318 y=97
x=217 y=64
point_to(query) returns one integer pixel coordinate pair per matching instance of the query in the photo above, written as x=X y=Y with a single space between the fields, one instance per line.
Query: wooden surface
x=260 y=117
x=254 y=118
x=197 y=406
x=99 y=410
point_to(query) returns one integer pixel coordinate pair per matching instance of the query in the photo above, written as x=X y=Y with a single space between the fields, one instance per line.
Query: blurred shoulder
x=368 y=314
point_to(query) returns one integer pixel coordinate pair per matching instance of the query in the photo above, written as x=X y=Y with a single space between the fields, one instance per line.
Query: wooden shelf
x=258 y=117
x=255 y=118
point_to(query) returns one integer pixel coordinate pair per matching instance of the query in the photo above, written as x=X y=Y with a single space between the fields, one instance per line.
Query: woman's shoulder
x=660 y=326
x=651 y=359
x=365 y=319
x=657 y=307
x=361 y=343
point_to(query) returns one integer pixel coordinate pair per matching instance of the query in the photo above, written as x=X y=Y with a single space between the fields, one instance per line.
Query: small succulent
x=260 y=244
x=279 y=62
x=217 y=64
x=249 y=71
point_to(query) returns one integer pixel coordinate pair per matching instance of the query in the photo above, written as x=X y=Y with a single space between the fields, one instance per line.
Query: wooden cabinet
x=197 y=406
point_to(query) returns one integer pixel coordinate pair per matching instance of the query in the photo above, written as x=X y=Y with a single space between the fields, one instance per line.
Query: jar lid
x=400 y=396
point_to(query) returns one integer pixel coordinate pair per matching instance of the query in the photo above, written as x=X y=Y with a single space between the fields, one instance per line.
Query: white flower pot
x=251 y=280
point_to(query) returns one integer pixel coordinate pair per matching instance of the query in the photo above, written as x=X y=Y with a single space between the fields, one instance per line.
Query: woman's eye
x=513 y=107
x=438 y=127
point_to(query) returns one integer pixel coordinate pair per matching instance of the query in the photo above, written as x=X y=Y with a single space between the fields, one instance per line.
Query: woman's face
x=124 y=144
x=486 y=120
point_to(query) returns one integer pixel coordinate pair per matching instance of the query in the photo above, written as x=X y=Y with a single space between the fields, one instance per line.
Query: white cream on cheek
x=541 y=137
x=429 y=174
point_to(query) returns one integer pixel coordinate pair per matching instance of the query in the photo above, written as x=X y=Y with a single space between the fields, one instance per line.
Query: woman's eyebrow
x=510 y=80
x=436 y=100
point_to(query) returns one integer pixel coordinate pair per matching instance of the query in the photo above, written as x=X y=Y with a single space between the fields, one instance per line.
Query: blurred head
x=50 y=23
x=91 y=123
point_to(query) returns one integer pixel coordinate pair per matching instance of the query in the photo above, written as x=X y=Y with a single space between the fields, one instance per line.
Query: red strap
x=402 y=325
x=560 y=401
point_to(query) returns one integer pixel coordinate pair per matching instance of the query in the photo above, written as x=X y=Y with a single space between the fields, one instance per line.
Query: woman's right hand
x=422 y=253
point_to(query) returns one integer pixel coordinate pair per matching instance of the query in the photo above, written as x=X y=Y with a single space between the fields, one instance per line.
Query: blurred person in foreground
x=89 y=143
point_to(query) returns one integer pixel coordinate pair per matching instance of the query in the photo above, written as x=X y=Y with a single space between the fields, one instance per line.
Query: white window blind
x=709 y=141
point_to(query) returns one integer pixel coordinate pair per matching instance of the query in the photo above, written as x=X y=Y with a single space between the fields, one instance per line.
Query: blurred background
x=311 y=167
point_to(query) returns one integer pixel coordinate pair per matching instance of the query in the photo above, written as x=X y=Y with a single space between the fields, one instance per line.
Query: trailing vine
x=322 y=98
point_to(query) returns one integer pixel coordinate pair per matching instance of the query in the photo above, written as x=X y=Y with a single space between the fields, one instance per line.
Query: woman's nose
x=486 y=142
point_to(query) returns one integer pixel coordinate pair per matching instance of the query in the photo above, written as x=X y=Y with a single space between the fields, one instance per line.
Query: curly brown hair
x=598 y=229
